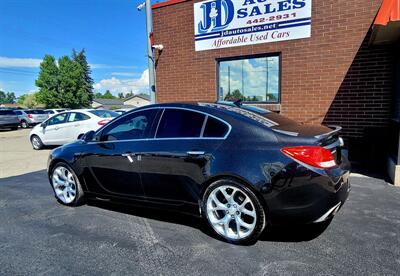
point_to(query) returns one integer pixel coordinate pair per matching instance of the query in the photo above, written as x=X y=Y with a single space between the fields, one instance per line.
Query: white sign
x=230 y=23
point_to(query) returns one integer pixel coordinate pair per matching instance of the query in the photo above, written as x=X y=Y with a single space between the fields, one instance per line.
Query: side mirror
x=88 y=136
x=43 y=125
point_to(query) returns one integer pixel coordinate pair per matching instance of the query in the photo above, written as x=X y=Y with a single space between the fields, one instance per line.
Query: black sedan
x=241 y=168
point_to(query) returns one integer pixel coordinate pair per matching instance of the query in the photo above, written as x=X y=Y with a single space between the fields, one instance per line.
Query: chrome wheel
x=231 y=212
x=64 y=184
x=24 y=124
x=36 y=142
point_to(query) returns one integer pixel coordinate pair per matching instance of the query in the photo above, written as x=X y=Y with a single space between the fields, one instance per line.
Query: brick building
x=343 y=72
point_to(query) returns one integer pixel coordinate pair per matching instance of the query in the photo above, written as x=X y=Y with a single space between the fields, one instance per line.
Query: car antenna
x=238 y=102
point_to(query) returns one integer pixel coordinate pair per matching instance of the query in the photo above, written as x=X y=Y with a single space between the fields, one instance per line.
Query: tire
x=66 y=186
x=24 y=124
x=231 y=218
x=36 y=142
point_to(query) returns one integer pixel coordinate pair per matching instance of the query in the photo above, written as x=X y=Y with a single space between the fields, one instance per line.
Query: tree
x=66 y=84
x=48 y=83
x=98 y=95
x=121 y=95
x=21 y=99
x=7 y=97
x=87 y=81
x=108 y=95
x=30 y=100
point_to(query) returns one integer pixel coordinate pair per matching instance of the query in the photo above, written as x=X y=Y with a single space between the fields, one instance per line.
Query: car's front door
x=178 y=161
x=113 y=161
x=53 y=130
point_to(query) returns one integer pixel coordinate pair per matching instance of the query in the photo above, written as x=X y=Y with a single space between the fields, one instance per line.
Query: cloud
x=116 y=85
x=125 y=74
x=35 y=63
x=19 y=62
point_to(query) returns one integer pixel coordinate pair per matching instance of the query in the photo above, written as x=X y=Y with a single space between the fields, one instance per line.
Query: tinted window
x=35 y=112
x=104 y=113
x=58 y=119
x=7 y=112
x=134 y=126
x=76 y=116
x=178 y=123
x=18 y=112
x=49 y=111
x=215 y=128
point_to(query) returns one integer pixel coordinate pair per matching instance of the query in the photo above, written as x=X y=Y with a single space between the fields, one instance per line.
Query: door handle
x=195 y=152
x=56 y=128
x=129 y=156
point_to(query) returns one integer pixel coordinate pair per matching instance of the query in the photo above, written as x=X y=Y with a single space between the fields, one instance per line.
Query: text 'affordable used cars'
x=239 y=167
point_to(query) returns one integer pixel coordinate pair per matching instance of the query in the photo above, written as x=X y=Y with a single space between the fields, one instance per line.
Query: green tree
x=30 y=100
x=64 y=84
x=48 y=83
x=7 y=97
x=20 y=99
x=108 y=95
x=87 y=81
x=121 y=95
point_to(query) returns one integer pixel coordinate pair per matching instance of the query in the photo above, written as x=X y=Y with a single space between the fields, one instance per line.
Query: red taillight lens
x=315 y=156
x=30 y=116
x=103 y=122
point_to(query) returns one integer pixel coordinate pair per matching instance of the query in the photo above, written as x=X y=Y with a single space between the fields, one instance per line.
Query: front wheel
x=233 y=211
x=66 y=186
x=37 y=143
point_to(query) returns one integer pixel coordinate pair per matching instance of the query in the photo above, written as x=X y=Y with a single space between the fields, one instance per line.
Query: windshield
x=104 y=113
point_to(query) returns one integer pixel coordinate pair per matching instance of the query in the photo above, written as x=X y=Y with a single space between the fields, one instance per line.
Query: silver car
x=8 y=119
x=34 y=117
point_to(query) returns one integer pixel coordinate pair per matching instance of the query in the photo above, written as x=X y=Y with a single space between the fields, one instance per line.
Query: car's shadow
x=289 y=233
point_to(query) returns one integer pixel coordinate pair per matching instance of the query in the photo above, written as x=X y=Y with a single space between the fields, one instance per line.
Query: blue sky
x=111 y=31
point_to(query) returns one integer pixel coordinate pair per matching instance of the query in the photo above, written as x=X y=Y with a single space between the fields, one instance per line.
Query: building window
x=253 y=79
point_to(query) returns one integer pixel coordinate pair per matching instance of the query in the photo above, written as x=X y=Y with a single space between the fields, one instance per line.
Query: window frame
x=59 y=114
x=275 y=54
x=77 y=112
x=156 y=124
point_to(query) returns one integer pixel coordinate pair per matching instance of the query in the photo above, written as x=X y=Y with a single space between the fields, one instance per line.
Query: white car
x=69 y=126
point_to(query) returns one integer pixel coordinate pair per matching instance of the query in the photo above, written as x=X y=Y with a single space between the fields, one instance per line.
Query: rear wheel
x=66 y=186
x=37 y=143
x=24 y=124
x=233 y=211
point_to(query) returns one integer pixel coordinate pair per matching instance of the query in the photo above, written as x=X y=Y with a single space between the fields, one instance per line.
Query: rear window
x=35 y=112
x=179 y=123
x=104 y=113
x=215 y=128
x=7 y=112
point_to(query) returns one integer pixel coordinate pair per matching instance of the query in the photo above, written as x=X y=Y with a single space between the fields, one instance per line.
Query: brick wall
x=320 y=74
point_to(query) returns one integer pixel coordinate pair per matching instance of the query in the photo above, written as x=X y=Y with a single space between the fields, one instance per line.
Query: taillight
x=315 y=156
x=30 y=116
x=103 y=122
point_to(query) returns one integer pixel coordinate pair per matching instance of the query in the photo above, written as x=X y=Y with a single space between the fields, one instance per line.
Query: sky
x=112 y=32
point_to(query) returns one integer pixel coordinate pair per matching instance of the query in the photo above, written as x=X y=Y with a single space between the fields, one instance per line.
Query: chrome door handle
x=195 y=152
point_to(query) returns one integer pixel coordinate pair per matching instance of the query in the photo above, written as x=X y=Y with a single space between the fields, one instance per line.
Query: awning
x=386 y=28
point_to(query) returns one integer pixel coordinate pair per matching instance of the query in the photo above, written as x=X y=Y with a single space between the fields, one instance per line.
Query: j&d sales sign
x=230 y=23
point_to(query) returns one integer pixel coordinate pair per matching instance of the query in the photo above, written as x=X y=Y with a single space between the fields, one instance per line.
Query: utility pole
x=150 y=54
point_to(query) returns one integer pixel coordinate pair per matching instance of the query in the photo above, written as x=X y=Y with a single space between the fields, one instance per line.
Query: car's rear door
x=178 y=160
x=112 y=161
x=75 y=125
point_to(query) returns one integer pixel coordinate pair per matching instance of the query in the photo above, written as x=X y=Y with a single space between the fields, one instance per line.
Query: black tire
x=24 y=124
x=260 y=212
x=36 y=142
x=80 y=195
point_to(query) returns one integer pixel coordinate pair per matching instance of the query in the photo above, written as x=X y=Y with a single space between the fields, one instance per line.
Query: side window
x=18 y=112
x=215 y=128
x=134 y=126
x=76 y=116
x=58 y=119
x=179 y=123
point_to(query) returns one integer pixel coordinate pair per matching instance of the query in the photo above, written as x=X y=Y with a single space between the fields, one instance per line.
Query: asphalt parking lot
x=39 y=236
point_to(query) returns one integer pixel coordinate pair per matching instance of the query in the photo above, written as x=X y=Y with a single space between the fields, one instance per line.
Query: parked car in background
x=68 y=126
x=51 y=112
x=36 y=116
x=122 y=110
x=23 y=118
x=8 y=119
x=241 y=168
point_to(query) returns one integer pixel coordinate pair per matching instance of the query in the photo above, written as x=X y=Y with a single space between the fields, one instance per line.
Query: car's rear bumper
x=308 y=197
x=9 y=125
